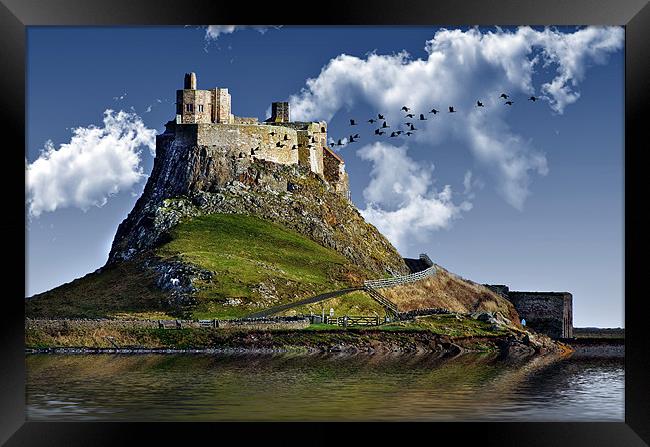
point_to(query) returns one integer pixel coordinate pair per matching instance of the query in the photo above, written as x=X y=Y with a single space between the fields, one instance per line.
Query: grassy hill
x=254 y=264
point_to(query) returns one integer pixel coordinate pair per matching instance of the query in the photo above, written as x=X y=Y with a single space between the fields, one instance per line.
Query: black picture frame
x=16 y=15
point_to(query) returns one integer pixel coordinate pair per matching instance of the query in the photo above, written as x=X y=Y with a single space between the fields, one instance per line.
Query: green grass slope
x=121 y=289
x=254 y=263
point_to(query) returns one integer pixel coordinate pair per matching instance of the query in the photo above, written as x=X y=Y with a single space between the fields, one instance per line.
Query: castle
x=205 y=118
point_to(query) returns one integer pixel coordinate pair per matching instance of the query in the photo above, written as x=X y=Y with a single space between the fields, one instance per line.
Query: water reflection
x=322 y=387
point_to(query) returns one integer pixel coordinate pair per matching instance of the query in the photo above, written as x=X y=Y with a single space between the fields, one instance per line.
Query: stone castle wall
x=334 y=172
x=259 y=141
x=550 y=313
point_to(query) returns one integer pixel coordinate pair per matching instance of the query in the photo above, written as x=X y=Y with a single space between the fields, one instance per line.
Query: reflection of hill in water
x=322 y=387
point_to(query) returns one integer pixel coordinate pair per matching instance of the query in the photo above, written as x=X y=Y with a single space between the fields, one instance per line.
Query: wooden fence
x=352 y=321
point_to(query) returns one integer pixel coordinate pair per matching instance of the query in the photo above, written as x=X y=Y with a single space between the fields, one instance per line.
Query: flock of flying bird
x=410 y=127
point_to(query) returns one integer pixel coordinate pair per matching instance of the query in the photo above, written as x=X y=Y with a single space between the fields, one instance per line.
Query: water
x=322 y=387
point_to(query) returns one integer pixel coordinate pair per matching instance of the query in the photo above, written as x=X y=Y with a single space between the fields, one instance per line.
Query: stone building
x=550 y=313
x=204 y=117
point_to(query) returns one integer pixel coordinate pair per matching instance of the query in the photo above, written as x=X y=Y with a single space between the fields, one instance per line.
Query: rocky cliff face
x=192 y=180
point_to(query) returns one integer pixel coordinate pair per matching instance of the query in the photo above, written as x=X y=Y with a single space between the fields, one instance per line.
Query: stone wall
x=334 y=172
x=64 y=325
x=550 y=313
x=244 y=120
x=259 y=141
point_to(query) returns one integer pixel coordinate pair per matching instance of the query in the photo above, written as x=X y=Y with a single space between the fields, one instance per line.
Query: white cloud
x=97 y=163
x=461 y=67
x=213 y=32
x=401 y=200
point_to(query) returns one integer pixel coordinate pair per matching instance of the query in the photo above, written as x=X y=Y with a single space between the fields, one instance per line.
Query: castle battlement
x=205 y=118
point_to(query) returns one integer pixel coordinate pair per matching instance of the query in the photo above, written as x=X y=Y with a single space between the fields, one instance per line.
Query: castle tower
x=202 y=106
x=280 y=112
x=190 y=81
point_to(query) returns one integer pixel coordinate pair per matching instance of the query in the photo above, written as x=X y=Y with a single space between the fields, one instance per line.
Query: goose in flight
x=383 y=126
x=504 y=96
x=451 y=109
x=479 y=104
x=508 y=103
x=404 y=108
x=409 y=115
x=533 y=98
x=380 y=116
x=422 y=118
x=353 y=123
x=434 y=111
x=372 y=120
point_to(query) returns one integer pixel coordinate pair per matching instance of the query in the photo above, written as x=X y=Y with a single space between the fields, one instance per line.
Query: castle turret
x=202 y=106
x=280 y=112
x=190 y=81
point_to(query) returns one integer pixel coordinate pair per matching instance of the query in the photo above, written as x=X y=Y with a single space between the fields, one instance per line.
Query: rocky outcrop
x=189 y=180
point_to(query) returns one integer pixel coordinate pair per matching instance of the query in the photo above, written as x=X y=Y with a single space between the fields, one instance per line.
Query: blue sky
x=529 y=195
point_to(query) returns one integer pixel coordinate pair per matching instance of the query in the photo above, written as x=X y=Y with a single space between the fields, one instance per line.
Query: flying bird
x=393 y=134
x=451 y=109
x=379 y=132
x=404 y=108
x=533 y=98
x=272 y=133
x=422 y=117
x=372 y=120
x=408 y=134
x=286 y=137
x=409 y=115
x=508 y=103
x=434 y=111
x=504 y=96
x=383 y=126
x=279 y=144
x=356 y=135
x=479 y=104
x=351 y=139
x=413 y=127
x=353 y=123
x=339 y=143
x=380 y=116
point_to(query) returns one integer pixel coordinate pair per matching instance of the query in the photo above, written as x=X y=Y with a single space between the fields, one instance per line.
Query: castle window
x=322 y=129
x=189 y=107
x=200 y=107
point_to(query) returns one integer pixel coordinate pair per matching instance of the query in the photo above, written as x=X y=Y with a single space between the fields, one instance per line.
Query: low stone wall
x=422 y=312
x=266 y=323
x=64 y=325
x=399 y=280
